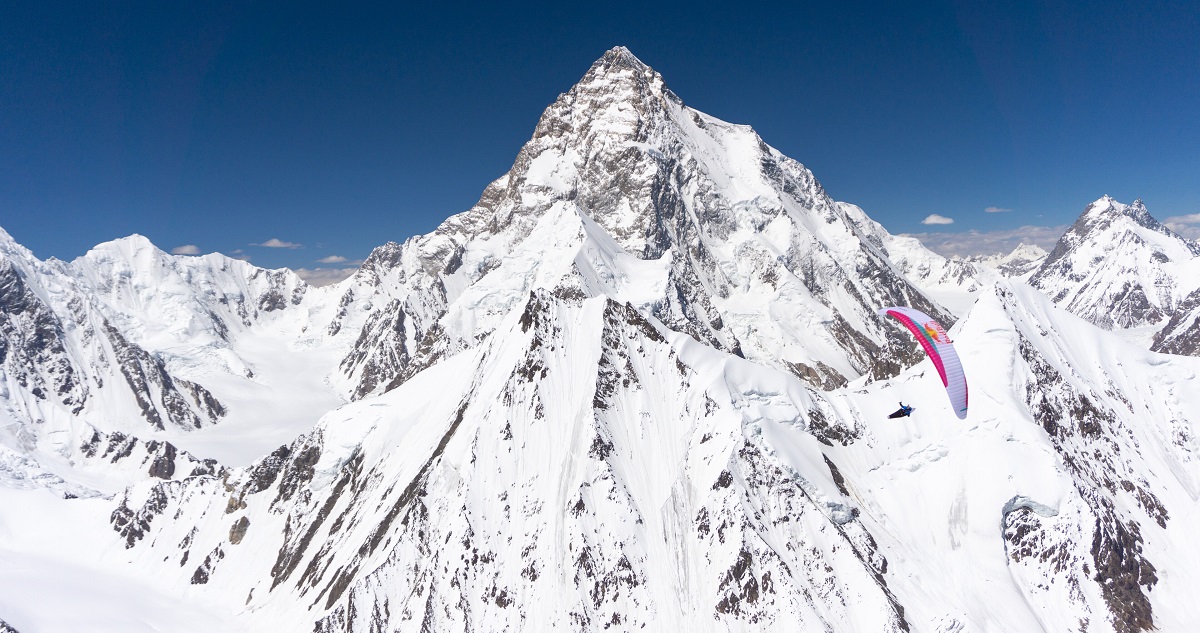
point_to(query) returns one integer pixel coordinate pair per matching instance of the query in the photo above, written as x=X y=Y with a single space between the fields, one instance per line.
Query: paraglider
x=940 y=349
x=903 y=412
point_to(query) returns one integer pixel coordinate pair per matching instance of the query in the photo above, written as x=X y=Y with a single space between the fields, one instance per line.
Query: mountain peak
x=1101 y=214
x=1024 y=252
x=1108 y=266
x=128 y=246
x=621 y=57
x=1105 y=204
x=1108 y=208
x=620 y=71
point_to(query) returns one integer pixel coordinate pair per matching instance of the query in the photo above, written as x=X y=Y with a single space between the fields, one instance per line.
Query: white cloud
x=968 y=243
x=275 y=242
x=937 y=219
x=186 y=249
x=1186 y=225
x=1185 y=229
x=1191 y=218
x=996 y=210
x=332 y=259
x=324 y=276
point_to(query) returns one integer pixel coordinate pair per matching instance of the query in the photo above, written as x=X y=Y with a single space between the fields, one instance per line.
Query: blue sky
x=335 y=128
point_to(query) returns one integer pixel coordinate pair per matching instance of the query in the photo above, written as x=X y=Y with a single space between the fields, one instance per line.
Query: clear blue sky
x=340 y=127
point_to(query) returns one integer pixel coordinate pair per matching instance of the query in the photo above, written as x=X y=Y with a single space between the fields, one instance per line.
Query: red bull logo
x=935 y=332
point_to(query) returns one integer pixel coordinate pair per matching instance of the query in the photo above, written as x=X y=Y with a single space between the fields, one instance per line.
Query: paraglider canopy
x=940 y=349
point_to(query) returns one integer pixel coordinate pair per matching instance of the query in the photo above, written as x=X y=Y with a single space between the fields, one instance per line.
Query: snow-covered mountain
x=1147 y=268
x=952 y=282
x=680 y=475
x=641 y=384
x=1020 y=263
x=128 y=343
x=626 y=192
x=1181 y=333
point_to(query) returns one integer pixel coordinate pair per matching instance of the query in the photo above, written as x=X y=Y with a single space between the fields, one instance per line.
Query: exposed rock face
x=1082 y=433
x=622 y=183
x=160 y=460
x=381 y=351
x=68 y=334
x=1091 y=427
x=1147 y=270
x=1181 y=334
x=32 y=350
x=477 y=528
x=155 y=391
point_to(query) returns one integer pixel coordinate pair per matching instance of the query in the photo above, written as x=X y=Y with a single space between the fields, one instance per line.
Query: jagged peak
x=1104 y=204
x=1109 y=206
x=385 y=255
x=1101 y=222
x=620 y=57
x=382 y=259
x=619 y=67
x=1106 y=210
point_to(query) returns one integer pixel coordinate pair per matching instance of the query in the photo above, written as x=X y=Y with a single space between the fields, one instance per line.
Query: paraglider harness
x=903 y=412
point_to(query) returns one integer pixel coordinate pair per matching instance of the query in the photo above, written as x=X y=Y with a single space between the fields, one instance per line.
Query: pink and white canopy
x=940 y=349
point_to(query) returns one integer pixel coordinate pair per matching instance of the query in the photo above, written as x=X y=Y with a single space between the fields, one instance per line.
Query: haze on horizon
x=305 y=137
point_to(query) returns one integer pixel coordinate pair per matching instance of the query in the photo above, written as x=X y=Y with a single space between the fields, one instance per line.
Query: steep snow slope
x=1181 y=333
x=114 y=362
x=625 y=496
x=1147 y=271
x=952 y=283
x=1059 y=504
x=58 y=572
x=626 y=192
